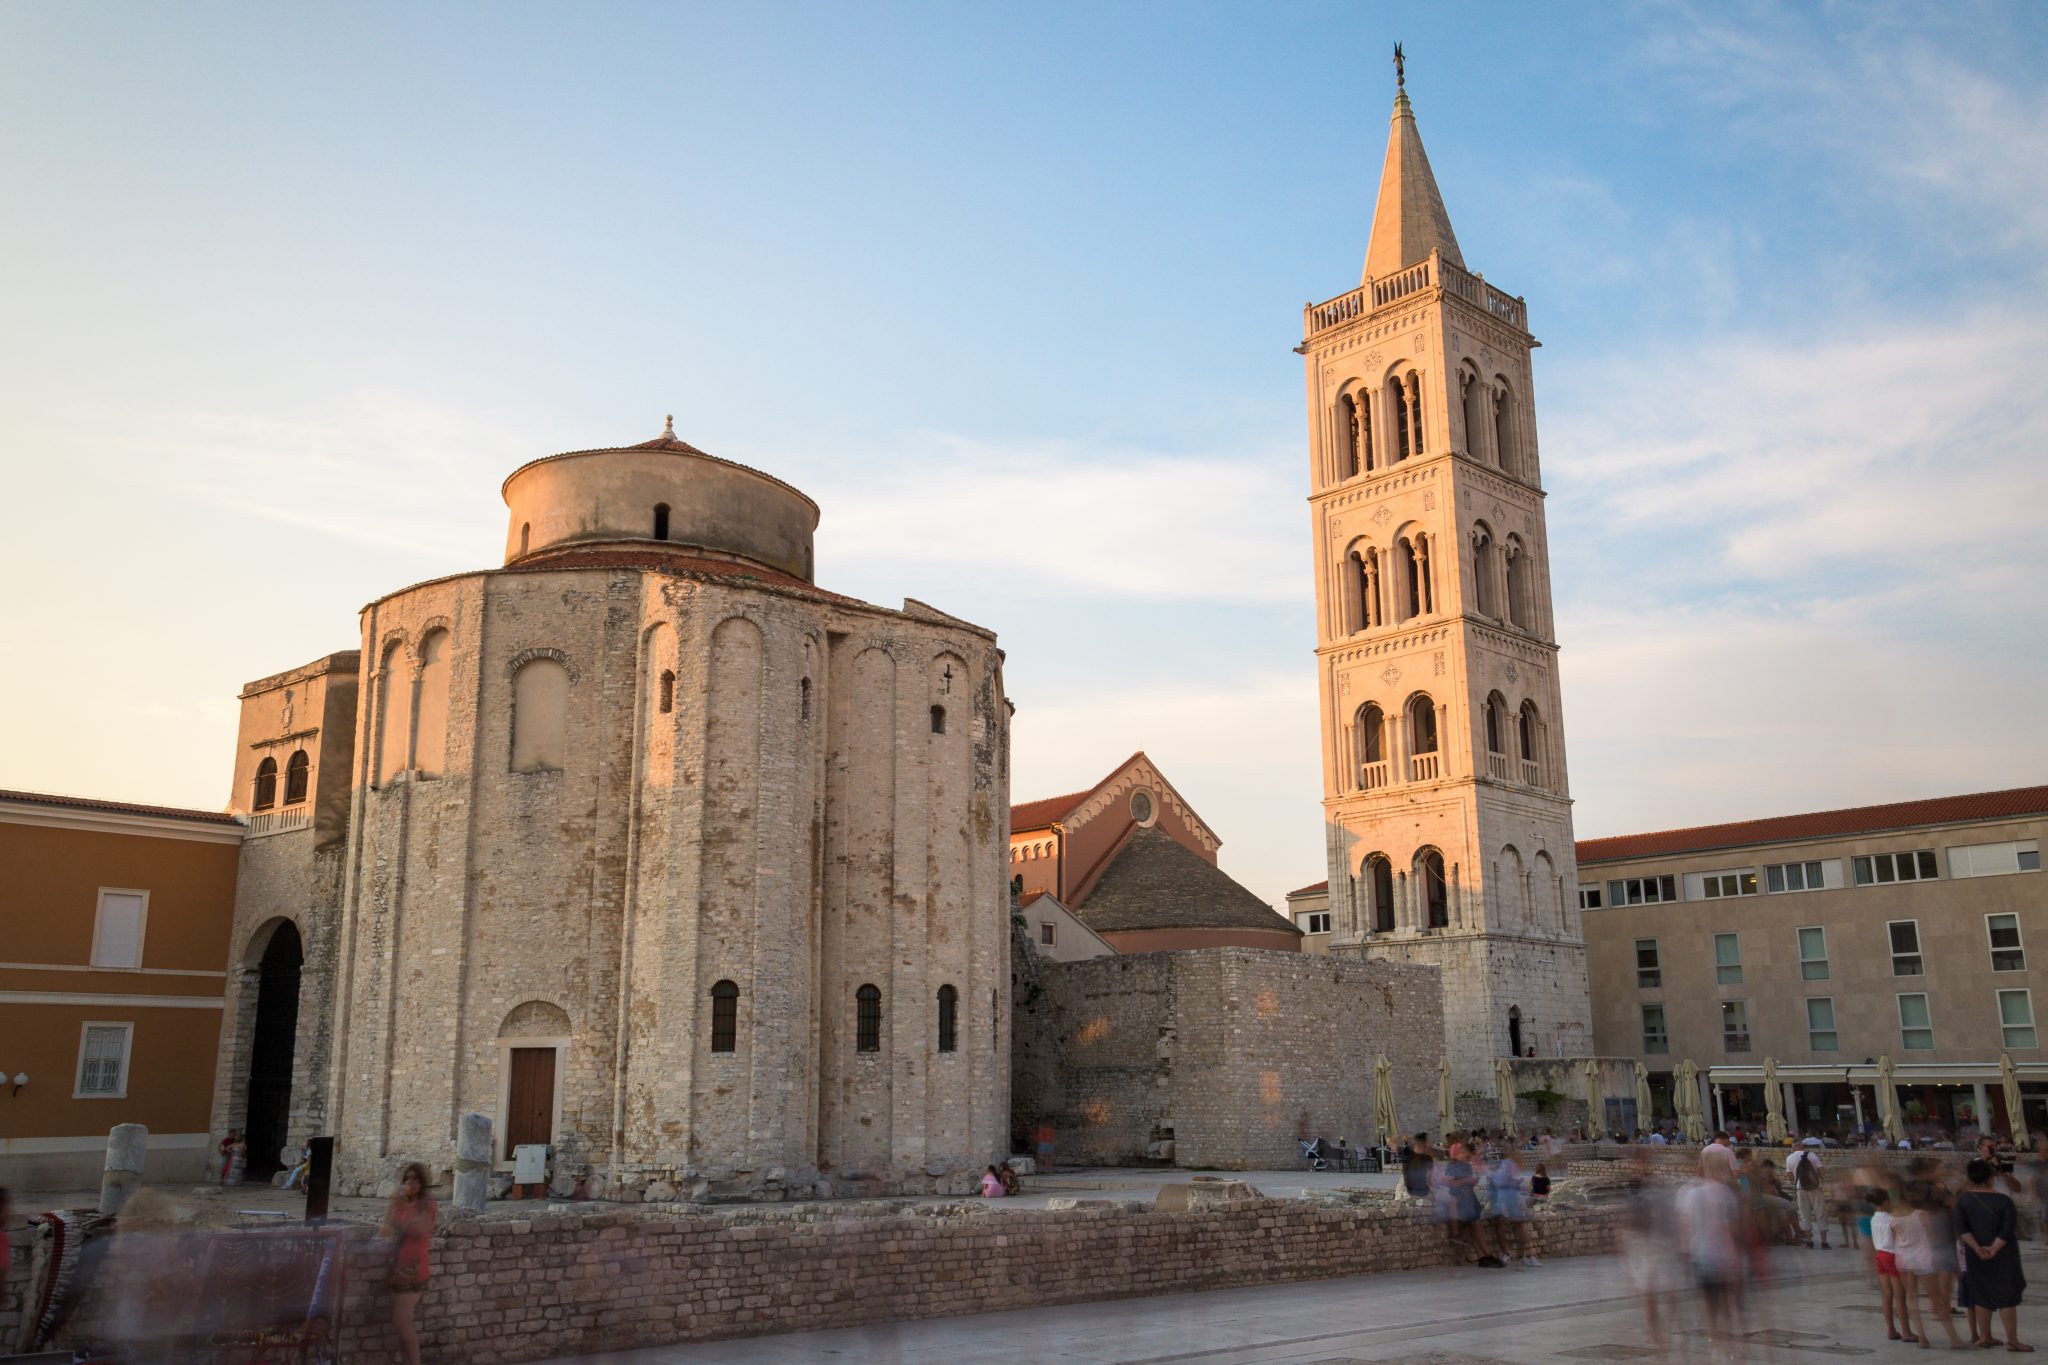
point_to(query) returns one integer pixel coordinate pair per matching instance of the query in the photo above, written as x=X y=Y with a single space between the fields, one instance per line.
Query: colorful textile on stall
x=60 y=1237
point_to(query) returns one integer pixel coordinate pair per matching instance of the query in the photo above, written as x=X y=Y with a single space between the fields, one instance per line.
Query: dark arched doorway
x=272 y=1044
x=1514 y=1031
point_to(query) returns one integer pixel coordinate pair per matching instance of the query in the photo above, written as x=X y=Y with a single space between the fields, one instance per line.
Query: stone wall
x=571 y=1284
x=1230 y=1054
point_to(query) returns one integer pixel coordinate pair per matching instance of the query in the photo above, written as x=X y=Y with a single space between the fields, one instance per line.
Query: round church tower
x=672 y=861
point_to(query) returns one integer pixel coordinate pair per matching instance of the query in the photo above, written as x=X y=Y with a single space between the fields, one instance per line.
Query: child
x=991 y=1185
x=1843 y=1196
x=1539 y=1183
x=1891 y=1289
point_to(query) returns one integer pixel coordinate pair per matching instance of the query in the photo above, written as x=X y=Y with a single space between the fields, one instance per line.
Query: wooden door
x=530 y=1102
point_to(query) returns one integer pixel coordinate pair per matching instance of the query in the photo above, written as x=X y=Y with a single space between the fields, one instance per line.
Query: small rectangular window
x=1820 y=1024
x=1813 y=954
x=118 y=928
x=1784 y=877
x=1728 y=959
x=1589 y=898
x=1994 y=860
x=103 y=1062
x=1905 y=938
x=2006 y=953
x=1916 y=1025
x=1045 y=932
x=1883 y=869
x=1642 y=891
x=1655 y=1039
x=1317 y=922
x=867 y=1019
x=2016 y=1017
x=1720 y=885
x=1735 y=1026
x=1649 y=975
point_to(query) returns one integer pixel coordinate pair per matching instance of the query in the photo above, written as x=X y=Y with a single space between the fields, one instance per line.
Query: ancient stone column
x=127 y=1145
x=472 y=1162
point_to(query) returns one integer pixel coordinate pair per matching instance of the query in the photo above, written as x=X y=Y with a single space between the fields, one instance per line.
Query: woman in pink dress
x=409 y=1224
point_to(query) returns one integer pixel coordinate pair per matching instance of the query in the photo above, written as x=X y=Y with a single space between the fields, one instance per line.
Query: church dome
x=665 y=491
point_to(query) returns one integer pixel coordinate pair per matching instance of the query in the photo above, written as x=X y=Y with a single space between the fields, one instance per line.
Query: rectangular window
x=1735 y=1026
x=1642 y=891
x=1820 y=1024
x=1589 y=898
x=2006 y=953
x=2016 y=1017
x=1728 y=959
x=1045 y=932
x=1649 y=975
x=1720 y=885
x=1882 y=869
x=118 y=927
x=1916 y=1025
x=1655 y=1039
x=1813 y=954
x=103 y=1062
x=1316 y=923
x=867 y=1019
x=1995 y=860
x=1783 y=877
x=1905 y=935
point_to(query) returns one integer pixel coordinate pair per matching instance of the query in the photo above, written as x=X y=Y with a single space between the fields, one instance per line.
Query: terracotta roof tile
x=1157 y=882
x=1042 y=814
x=1940 y=810
x=1312 y=889
x=668 y=561
x=211 y=817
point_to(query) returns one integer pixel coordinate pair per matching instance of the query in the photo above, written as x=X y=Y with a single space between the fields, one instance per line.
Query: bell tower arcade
x=1446 y=807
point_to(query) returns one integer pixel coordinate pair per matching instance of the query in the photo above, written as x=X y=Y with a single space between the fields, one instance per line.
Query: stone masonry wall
x=1232 y=1054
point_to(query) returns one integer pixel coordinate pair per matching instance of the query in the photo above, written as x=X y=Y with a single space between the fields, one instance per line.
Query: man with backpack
x=1810 y=1189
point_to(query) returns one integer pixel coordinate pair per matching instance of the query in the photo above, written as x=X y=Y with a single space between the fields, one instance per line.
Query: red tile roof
x=600 y=556
x=1940 y=810
x=1034 y=898
x=1042 y=814
x=211 y=817
x=1313 y=889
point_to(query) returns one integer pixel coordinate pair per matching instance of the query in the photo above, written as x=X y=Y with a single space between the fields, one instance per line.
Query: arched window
x=804 y=699
x=1379 y=875
x=1514 y=1031
x=725 y=1017
x=661 y=521
x=1436 y=895
x=266 y=785
x=1404 y=437
x=1484 y=595
x=1475 y=404
x=1347 y=437
x=1364 y=604
x=1412 y=563
x=1362 y=440
x=540 y=716
x=525 y=535
x=1368 y=741
x=1495 y=721
x=938 y=720
x=1532 y=745
x=867 y=1019
x=1518 y=583
x=394 y=714
x=667 y=698
x=949 y=1019
x=296 y=769
x=1422 y=725
x=430 y=710
x=1504 y=453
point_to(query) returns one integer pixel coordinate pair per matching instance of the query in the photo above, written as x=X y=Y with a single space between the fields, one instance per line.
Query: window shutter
x=118 y=941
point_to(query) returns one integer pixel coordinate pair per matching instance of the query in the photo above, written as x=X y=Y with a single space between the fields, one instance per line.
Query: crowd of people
x=1939 y=1250
x=1480 y=1192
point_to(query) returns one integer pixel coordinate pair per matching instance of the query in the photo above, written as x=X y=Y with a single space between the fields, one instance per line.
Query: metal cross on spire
x=1400 y=69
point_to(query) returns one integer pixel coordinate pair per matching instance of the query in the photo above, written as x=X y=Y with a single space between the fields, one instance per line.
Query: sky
x=1012 y=292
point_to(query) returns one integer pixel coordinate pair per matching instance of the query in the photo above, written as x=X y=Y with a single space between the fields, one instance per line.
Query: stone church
x=1446 y=808
x=643 y=844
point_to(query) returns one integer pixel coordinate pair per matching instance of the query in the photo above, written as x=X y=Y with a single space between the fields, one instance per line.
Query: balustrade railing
x=1374 y=294
x=1373 y=776
x=1401 y=285
x=1424 y=767
x=278 y=821
x=1529 y=772
x=1497 y=767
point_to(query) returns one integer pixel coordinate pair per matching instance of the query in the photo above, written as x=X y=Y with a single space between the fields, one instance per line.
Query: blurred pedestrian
x=1809 y=1187
x=1415 y=1163
x=1927 y=1244
x=1842 y=1200
x=409 y=1223
x=1989 y=1227
x=1708 y=1213
x=1891 y=1287
x=1539 y=1183
x=1008 y=1175
x=1510 y=1209
x=992 y=1184
x=1044 y=1140
x=1461 y=1189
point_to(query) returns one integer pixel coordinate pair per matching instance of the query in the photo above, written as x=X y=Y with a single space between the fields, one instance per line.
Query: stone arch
x=1376 y=899
x=532 y=1047
x=394 y=711
x=1432 y=887
x=1475 y=407
x=1550 y=886
x=274 y=957
x=535 y=1019
x=1510 y=897
x=430 y=703
x=1362 y=593
x=1485 y=567
x=540 y=715
x=1521 y=603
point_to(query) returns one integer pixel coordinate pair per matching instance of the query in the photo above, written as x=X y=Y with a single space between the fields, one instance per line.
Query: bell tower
x=1446 y=809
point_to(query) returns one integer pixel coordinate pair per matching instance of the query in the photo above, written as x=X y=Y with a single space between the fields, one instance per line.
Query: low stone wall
x=568 y=1284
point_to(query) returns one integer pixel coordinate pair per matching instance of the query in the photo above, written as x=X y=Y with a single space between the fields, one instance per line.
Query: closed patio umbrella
x=1384 y=1117
x=1888 y=1099
x=1596 y=1107
x=1643 y=1107
x=1504 y=1092
x=1687 y=1100
x=1774 y=1102
x=1446 y=1100
x=2015 y=1113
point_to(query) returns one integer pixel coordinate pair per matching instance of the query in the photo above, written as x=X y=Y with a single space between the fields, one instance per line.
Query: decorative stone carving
x=1390 y=675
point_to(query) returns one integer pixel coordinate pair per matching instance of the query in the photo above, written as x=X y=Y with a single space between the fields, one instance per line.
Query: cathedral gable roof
x=1156 y=882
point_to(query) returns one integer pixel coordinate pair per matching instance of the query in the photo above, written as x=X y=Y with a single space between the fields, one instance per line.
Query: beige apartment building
x=1915 y=932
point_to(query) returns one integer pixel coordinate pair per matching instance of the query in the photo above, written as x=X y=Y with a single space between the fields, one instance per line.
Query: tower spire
x=1409 y=221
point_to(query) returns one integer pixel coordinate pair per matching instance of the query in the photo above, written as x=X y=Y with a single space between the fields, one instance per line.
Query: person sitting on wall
x=992 y=1185
x=1007 y=1174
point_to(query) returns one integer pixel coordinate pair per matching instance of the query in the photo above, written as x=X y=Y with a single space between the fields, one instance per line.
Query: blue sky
x=1011 y=291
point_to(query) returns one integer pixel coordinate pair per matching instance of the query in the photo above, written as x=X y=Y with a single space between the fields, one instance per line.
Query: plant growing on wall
x=1546 y=1101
